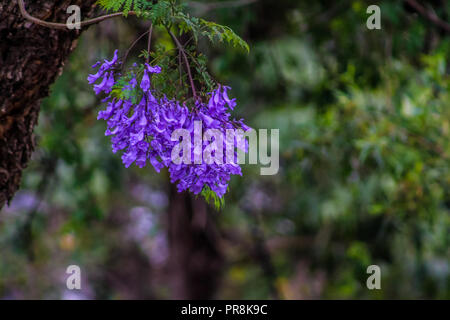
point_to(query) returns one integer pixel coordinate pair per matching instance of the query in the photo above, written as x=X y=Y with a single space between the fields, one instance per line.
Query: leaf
x=212 y=198
x=158 y=13
x=213 y=31
x=222 y=33
x=124 y=5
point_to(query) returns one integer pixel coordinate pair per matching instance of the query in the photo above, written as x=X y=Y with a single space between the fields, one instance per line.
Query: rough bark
x=31 y=57
x=195 y=256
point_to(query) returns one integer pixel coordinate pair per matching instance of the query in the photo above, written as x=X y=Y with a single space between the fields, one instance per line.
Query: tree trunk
x=195 y=257
x=31 y=57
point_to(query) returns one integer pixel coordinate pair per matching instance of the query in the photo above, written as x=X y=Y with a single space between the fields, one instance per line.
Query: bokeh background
x=364 y=119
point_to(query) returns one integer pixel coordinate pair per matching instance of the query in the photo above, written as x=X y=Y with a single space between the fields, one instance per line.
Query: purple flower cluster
x=144 y=130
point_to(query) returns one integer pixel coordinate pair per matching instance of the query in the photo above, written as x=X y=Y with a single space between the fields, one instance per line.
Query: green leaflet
x=213 y=31
x=212 y=198
x=159 y=13
x=167 y=12
x=124 y=5
x=223 y=33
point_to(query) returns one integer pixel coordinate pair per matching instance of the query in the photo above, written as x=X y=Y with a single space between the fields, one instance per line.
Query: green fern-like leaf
x=212 y=198
x=213 y=31
x=124 y=5
x=159 y=12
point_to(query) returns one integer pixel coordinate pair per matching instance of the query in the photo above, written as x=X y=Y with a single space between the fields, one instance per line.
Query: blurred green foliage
x=364 y=177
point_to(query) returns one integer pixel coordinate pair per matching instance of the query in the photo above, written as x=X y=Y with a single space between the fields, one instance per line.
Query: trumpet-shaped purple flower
x=143 y=131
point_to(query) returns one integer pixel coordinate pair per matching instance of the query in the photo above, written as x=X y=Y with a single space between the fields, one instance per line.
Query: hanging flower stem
x=186 y=61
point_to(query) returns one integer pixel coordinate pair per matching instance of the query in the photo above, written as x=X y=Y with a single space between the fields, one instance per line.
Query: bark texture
x=31 y=57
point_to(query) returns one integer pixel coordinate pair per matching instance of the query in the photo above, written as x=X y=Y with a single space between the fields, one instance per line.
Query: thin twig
x=63 y=26
x=186 y=61
x=180 y=68
x=132 y=46
x=150 y=32
x=430 y=15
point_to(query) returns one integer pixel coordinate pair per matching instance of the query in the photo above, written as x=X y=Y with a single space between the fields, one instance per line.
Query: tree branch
x=132 y=46
x=186 y=61
x=430 y=15
x=149 y=44
x=63 y=26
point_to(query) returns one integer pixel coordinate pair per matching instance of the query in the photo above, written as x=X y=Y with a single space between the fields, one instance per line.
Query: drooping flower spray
x=145 y=104
x=142 y=129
